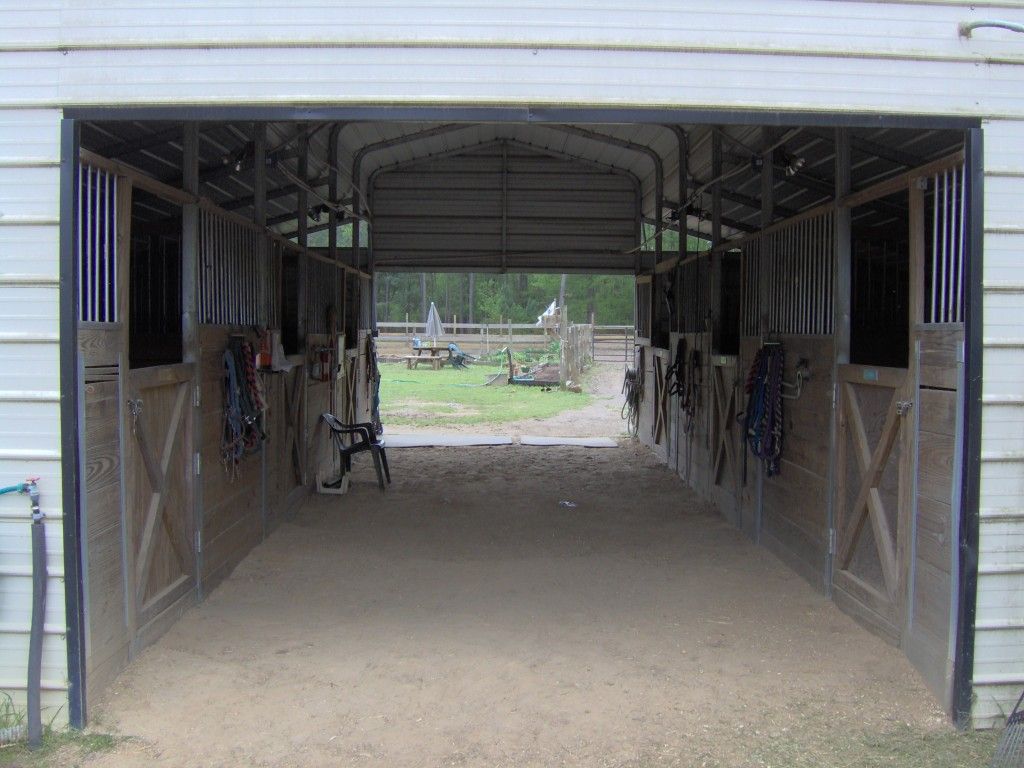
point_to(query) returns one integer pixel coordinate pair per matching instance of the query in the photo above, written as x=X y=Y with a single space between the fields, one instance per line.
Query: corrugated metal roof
x=156 y=148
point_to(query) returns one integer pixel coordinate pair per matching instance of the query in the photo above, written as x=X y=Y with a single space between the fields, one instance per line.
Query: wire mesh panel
x=231 y=272
x=322 y=281
x=97 y=245
x=944 y=271
x=796 y=263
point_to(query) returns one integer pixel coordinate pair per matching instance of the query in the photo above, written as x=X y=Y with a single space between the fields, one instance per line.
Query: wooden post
x=124 y=250
x=841 y=269
x=190 y=261
x=909 y=449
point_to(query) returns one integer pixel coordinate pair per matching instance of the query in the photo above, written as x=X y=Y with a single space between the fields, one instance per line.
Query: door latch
x=135 y=408
x=903 y=407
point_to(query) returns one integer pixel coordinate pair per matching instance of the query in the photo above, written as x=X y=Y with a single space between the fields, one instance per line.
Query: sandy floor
x=466 y=618
x=602 y=417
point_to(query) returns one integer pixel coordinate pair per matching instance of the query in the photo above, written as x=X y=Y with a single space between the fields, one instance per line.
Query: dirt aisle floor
x=466 y=618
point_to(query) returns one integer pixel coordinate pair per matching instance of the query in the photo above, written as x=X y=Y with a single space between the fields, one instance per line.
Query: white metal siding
x=29 y=387
x=999 y=637
x=881 y=57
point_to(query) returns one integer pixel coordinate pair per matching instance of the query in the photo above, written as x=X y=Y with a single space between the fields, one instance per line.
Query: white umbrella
x=434 y=327
x=549 y=312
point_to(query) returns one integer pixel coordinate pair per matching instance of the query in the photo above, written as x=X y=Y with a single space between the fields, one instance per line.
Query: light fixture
x=790 y=164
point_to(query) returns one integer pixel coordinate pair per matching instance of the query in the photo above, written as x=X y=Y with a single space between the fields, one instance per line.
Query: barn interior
x=832 y=257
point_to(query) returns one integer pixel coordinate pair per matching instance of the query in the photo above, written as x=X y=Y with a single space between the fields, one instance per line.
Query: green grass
x=450 y=397
x=64 y=748
x=900 y=745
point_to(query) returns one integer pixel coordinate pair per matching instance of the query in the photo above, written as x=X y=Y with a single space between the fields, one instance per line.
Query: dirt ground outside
x=600 y=417
x=466 y=618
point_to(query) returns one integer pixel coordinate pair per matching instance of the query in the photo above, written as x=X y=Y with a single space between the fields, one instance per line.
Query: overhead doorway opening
x=793 y=246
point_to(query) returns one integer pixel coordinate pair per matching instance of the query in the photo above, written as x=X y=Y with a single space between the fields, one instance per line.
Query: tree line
x=489 y=298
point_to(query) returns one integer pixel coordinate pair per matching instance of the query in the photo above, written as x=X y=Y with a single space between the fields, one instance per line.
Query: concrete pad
x=582 y=442
x=443 y=441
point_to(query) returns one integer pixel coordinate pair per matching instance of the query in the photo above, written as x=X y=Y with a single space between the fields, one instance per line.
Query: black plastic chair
x=363 y=438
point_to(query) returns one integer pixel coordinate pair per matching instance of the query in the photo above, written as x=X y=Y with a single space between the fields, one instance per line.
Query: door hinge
x=831 y=541
x=199 y=541
x=196 y=396
x=198 y=462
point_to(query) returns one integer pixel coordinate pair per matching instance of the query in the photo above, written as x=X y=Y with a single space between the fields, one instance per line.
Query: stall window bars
x=945 y=248
x=232 y=290
x=97 y=245
x=323 y=280
x=796 y=263
x=695 y=294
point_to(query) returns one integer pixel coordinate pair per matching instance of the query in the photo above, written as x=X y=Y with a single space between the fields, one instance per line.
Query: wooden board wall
x=794 y=503
x=318 y=401
x=931 y=582
x=232 y=516
x=694 y=443
x=107 y=637
x=790 y=513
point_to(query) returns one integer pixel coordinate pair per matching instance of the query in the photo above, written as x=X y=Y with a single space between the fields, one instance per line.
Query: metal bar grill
x=232 y=270
x=749 y=288
x=945 y=262
x=796 y=263
x=97 y=245
x=321 y=295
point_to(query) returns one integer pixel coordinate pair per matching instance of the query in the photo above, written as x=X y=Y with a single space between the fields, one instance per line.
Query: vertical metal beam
x=371 y=314
x=70 y=446
x=682 y=189
x=842 y=253
x=967 y=527
x=302 y=222
x=190 y=324
x=259 y=215
x=715 y=259
x=766 y=252
x=333 y=193
x=190 y=244
x=264 y=267
x=504 y=207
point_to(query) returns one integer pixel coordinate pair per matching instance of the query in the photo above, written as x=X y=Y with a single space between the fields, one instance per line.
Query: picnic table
x=433 y=350
x=434 y=358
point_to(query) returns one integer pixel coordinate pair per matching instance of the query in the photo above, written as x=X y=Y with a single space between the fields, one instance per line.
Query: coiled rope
x=633 y=389
x=763 y=424
x=243 y=405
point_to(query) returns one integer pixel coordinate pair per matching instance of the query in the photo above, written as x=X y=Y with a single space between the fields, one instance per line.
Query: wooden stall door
x=159 y=494
x=871 y=505
x=725 y=474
